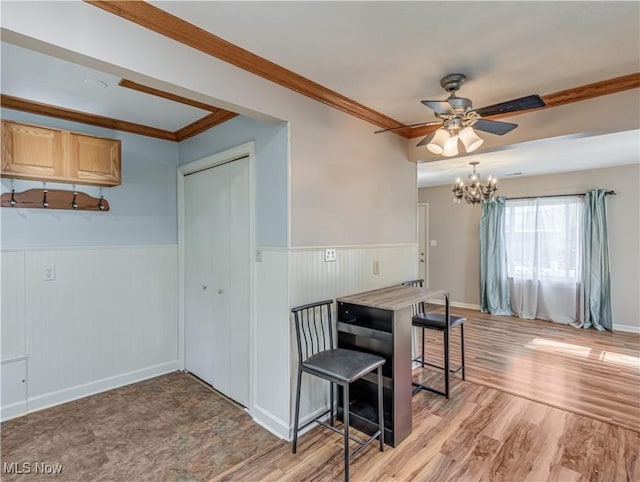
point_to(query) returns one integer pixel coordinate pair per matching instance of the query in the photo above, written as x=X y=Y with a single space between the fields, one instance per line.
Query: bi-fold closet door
x=217 y=277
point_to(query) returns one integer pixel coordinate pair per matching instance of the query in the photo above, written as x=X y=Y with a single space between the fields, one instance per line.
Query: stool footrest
x=452 y=371
x=420 y=386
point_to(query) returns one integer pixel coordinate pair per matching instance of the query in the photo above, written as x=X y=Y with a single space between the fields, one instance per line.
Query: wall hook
x=101 y=205
x=74 y=204
x=13 y=201
x=45 y=203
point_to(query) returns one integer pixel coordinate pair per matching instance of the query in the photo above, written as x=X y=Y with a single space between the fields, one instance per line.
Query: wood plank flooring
x=172 y=428
x=596 y=374
x=480 y=434
x=542 y=402
x=167 y=428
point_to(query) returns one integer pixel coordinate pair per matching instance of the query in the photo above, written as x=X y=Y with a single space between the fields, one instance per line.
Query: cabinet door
x=95 y=160
x=31 y=152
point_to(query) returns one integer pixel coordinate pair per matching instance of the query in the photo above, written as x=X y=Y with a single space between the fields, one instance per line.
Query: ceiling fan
x=458 y=119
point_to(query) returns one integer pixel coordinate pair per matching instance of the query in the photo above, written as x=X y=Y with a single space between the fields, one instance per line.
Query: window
x=543 y=238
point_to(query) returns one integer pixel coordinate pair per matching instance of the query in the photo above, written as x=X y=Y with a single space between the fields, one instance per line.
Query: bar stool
x=317 y=356
x=437 y=321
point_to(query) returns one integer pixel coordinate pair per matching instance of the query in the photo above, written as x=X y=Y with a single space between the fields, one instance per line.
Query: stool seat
x=435 y=321
x=342 y=365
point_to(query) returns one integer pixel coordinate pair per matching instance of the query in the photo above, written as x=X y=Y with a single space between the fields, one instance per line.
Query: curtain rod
x=608 y=193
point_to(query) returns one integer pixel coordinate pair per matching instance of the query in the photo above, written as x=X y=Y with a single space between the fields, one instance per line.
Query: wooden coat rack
x=53 y=199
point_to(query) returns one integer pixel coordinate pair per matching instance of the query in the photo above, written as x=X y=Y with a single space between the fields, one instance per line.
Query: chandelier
x=445 y=140
x=474 y=192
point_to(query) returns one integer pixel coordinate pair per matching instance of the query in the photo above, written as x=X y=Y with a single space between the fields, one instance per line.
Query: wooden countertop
x=393 y=297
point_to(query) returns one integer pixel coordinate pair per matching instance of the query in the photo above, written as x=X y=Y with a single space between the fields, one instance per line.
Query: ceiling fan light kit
x=475 y=192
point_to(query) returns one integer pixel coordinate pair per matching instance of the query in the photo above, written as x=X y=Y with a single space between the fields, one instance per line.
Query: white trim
x=13 y=410
x=353 y=246
x=276 y=249
x=626 y=328
x=238 y=152
x=87 y=248
x=426 y=241
x=13 y=359
x=269 y=421
x=98 y=386
x=469 y=306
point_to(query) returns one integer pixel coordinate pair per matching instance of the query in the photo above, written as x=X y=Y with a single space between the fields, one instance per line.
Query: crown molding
x=162 y=22
x=203 y=124
x=84 y=117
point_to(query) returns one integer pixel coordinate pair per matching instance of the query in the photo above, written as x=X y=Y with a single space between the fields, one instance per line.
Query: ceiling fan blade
x=409 y=125
x=424 y=141
x=494 y=127
x=523 y=103
x=439 y=106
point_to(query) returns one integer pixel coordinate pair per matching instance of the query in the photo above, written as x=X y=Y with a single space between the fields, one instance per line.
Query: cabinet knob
x=220 y=290
x=204 y=287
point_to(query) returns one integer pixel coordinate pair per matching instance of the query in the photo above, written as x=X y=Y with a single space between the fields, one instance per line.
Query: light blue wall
x=143 y=209
x=271 y=141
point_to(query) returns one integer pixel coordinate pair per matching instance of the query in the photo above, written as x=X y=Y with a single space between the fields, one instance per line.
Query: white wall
x=110 y=316
x=272 y=168
x=348 y=187
x=454 y=262
x=344 y=179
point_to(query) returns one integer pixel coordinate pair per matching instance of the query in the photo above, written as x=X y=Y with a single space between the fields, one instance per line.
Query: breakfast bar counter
x=379 y=322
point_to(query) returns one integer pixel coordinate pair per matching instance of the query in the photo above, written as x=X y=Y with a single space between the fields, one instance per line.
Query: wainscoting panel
x=271 y=366
x=13 y=305
x=108 y=318
x=312 y=279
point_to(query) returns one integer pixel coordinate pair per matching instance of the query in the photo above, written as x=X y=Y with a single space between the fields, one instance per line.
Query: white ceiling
x=41 y=78
x=389 y=56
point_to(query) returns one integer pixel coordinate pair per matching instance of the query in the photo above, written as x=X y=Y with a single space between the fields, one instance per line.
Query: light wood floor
x=486 y=434
x=587 y=372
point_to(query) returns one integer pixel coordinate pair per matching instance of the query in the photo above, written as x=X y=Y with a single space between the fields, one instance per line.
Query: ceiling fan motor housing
x=452 y=82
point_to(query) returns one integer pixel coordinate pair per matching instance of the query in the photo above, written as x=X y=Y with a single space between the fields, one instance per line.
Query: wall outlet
x=49 y=272
x=376 y=266
x=330 y=255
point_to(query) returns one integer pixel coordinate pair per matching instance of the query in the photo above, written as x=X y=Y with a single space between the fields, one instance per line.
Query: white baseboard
x=80 y=391
x=270 y=422
x=456 y=304
x=626 y=328
x=13 y=410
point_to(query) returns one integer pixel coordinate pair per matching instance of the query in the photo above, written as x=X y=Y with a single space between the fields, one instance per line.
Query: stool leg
x=345 y=419
x=297 y=415
x=331 y=401
x=423 y=360
x=447 y=326
x=462 y=347
x=380 y=409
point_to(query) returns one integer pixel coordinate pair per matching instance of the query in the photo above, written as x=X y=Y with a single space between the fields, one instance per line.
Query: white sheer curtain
x=543 y=255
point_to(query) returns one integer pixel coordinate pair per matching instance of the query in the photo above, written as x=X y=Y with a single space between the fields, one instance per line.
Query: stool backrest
x=418 y=307
x=314 y=328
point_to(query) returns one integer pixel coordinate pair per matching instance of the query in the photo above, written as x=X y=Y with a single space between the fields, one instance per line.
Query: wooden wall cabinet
x=48 y=154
